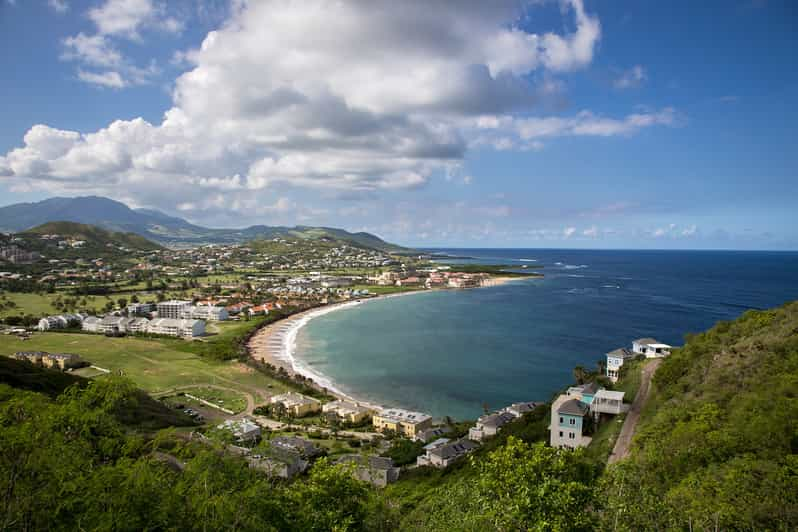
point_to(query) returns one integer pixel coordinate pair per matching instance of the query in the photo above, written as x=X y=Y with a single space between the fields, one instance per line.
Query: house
x=138 y=325
x=62 y=321
x=377 y=470
x=174 y=309
x=300 y=446
x=584 y=392
x=651 y=348
x=489 y=425
x=519 y=409
x=177 y=327
x=347 y=411
x=279 y=463
x=90 y=324
x=244 y=430
x=567 y=422
x=431 y=433
x=34 y=357
x=616 y=359
x=447 y=453
x=296 y=404
x=237 y=308
x=608 y=402
x=402 y=422
x=259 y=310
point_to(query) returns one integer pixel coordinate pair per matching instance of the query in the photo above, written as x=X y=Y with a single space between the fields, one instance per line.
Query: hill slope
x=95 y=237
x=160 y=227
x=718 y=444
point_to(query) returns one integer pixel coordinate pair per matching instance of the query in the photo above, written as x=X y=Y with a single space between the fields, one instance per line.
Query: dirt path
x=624 y=442
x=250 y=399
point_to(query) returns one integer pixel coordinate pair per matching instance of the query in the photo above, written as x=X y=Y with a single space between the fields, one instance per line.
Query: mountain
x=155 y=225
x=95 y=238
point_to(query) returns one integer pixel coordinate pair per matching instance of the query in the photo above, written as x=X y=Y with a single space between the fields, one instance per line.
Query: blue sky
x=557 y=124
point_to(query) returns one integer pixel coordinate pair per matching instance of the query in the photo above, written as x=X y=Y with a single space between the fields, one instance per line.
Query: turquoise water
x=451 y=352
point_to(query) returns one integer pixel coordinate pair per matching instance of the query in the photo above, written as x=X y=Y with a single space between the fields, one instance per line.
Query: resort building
x=177 y=327
x=567 y=422
x=402 y=422
x=296 y=404
x=140 y=309
x=651 y=348
x=113 y=325
x=446 y=453
x=90 y=324
x=376 y=470
x=61 y=321
x=62 y=361
x=489 y=425
x=519 y=409
x=616 y=359
x=244 y=430
x=347 y=411
x=173 y=309
x=207 y=312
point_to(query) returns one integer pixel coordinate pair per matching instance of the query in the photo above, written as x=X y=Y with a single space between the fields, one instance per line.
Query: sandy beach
x=276 y=343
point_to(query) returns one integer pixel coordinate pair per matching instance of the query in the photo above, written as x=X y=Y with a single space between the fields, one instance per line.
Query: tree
x=534 y=487
x=134 y=298
x=122 y=302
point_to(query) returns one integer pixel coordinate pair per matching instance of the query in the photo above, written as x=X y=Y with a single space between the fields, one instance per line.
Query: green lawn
x=42 y=304
x=223 y=398
x=152 y=364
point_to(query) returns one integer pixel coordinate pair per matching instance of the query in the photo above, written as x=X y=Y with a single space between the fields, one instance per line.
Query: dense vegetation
x=96 y=239
x=716 y=450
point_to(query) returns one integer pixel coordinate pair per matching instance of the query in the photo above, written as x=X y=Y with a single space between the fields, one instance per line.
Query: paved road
x=624 y=442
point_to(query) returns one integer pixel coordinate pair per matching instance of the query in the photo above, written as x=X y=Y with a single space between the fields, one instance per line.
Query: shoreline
x=276 y=343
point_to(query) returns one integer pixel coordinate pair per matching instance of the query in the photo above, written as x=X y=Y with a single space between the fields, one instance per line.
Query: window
x=573 y=421
x=571 y=435
x=560 y=434
x=561 y=419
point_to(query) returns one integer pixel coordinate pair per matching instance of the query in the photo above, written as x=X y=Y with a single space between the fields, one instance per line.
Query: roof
x=659 y=346
x=454 y=449
x=573 y=407
x=405 y=416
x=301 y=445
x=436 y=443
x=496 y=420
x=293 y=398
x=374 y=462
x=610 y=394
x=523 y=407
x=589 y=388
x=621 y=352
x=646 y=341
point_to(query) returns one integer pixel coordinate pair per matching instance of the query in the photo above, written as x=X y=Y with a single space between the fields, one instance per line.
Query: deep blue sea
x=450 y=352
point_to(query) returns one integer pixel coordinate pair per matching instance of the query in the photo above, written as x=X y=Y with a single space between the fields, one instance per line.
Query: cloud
x=630 y=79
x=591 y=232
x=109 y=78
x=125 y=17
x=568 y=232
x=59 y=6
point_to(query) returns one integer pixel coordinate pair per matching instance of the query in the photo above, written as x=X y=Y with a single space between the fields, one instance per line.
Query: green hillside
x=716 y=450
x=95 y=237
x=717 y=446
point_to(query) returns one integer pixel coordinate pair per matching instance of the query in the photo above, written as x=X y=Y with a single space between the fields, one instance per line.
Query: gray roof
x=621 y=352
x=646 y=341
x=573 y=407
x=496 y=420
x=296 y=444
x=454 y=449
x=589 y=388
x=374 y=462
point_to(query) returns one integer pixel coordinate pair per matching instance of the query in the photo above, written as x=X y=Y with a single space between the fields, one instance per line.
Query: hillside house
x=616 y=359
x=376 y=470
x=651 y=348
x=489 y=425
x=243 y=430
x=567 y=422
x=447 y=453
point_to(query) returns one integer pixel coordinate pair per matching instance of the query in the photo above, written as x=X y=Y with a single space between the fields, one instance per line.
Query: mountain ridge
x=160 y=227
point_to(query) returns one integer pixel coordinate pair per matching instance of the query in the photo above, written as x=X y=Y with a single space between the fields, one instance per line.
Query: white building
x=616 y=359
x=113 y=325
x=242 y=429
x=207 y=312
x=177 y=327
x=61 y=321
x=651 y=348
x=489 y=425
x=90 y=324
x=174 y=309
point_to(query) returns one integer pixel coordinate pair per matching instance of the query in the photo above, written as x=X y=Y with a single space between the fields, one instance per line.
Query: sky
x=550 y=123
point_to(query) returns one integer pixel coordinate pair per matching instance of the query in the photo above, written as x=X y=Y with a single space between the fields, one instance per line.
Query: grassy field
x=42 y=304
x=224 y=398
x=152 y=364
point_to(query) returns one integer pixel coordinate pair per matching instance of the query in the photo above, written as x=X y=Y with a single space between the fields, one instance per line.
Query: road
x=624 y=442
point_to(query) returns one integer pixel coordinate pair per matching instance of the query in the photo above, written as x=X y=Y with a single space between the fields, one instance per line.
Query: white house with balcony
x=650 y=348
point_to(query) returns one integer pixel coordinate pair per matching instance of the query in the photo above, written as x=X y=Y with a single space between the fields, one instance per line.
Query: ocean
x=455 y=352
